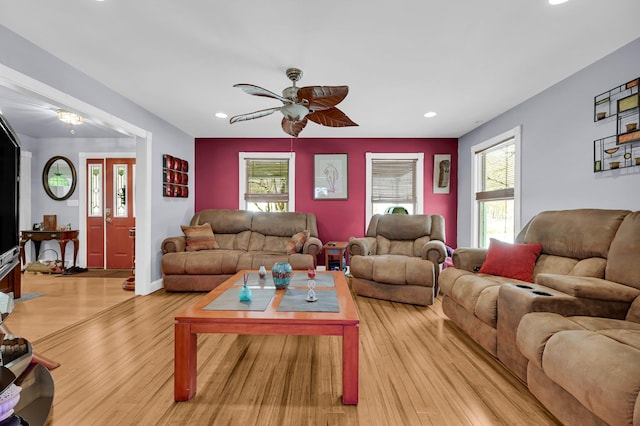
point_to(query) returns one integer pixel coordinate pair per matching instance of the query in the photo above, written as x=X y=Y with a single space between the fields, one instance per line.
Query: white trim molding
x=516 y=135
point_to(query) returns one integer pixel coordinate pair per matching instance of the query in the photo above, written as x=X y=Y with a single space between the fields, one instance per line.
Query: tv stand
x=12 y=282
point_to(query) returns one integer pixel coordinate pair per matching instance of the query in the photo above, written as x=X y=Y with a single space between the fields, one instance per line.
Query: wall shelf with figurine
x=175 y=177
x=622 y=149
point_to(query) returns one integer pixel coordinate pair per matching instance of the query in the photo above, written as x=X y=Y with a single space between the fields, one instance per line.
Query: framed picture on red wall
x=330 y=176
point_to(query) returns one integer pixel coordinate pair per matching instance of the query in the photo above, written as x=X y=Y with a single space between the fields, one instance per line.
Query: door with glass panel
x=110 y=212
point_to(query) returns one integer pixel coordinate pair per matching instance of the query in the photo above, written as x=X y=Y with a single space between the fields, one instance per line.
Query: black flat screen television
x=9 y=205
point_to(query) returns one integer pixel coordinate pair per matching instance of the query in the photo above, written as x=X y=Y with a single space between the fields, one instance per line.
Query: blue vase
x=281 y=272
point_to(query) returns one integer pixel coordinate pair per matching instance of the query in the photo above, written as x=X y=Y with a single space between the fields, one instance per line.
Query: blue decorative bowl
x=281 y=272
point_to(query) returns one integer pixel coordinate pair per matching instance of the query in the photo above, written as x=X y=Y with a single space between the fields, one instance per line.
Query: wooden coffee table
x=196 y=319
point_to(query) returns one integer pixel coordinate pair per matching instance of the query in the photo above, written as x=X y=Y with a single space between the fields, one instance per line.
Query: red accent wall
x=216 y=178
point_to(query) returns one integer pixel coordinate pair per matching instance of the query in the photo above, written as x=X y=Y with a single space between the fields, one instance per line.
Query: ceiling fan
x=301 y=104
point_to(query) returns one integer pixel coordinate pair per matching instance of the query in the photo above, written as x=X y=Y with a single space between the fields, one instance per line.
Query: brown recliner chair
x=399 y=259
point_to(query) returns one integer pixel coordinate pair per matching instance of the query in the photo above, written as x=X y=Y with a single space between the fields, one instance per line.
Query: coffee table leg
x=350 y=351
x=185 y=363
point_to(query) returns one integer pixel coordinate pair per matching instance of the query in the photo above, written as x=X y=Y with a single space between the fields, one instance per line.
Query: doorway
x=25 y=84
x=110 y=212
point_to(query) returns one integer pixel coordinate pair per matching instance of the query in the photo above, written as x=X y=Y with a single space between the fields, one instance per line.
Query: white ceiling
x=468 y=60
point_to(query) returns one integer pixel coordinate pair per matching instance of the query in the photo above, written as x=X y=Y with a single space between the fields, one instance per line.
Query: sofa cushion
x=476 y=293
x=200 y=237
x=586 y=232
x=403 y=227
x=281 y=224
x=393 y=269
x=589 y=287
x=205 y=262
x=275 y=244
x=552 y=264
x=596 y=360
x=611 y=392
x=224 y=221
x=239 y=241
x=511 y=260
x=622 y=264
x=397 y=247
x=297 y=242
x=634 y=311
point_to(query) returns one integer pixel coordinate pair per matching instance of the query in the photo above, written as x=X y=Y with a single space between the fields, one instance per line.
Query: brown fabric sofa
x=247 y=240
x=586 y=370
x=589 y=267
x=399 y=259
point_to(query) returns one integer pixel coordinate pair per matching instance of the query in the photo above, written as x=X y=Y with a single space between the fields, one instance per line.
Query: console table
x=62 y=237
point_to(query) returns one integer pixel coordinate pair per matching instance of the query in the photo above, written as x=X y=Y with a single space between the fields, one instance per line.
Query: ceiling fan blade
x=322 y=97
x=259 y=91
x=331 y=117
x=293 y=128
x=252 y=115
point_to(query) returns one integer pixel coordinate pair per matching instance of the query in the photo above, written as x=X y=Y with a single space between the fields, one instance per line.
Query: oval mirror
x=59 y=178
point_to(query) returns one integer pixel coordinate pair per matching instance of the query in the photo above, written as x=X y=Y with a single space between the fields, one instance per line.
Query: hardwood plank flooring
x=416 y=368
x=67 y=299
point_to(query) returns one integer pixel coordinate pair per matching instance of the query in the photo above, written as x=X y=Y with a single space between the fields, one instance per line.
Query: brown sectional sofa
x=247 y=240
x=589 y=267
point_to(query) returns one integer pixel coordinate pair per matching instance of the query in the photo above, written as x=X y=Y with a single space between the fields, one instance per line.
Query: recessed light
x=554 y=2
x=221 y=115
x=430 y=114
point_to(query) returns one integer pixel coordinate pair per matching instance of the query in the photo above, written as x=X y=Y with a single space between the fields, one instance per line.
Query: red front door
x=110 y=213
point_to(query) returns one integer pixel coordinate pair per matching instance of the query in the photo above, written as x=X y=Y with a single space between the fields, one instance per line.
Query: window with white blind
x=267 y=181
x=394 y=180
x=496 y=188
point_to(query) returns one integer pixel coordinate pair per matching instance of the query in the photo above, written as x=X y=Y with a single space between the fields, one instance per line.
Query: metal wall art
x=175 y=177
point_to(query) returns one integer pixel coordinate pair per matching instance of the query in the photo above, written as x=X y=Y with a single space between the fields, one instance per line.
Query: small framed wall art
x=441 y=173
x=330 y=177
x=175 y=177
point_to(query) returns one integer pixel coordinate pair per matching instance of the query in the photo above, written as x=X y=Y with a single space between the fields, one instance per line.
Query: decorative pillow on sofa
x=297 y=242
x=200 y=237
x=511 y=260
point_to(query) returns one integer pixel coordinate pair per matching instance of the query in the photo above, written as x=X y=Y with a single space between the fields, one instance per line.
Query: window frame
x=370 y=156
x=242 y=172
x=476 y=179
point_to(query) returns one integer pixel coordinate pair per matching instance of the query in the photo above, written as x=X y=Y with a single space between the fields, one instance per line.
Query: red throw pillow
x=511 y=260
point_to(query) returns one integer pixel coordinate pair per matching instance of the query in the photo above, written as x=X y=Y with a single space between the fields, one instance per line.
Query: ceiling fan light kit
x=301 y=104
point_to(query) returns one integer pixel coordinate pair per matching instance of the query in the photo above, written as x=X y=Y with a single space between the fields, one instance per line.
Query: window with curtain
x=495 y=189
x=394 y=180
x=266 y=182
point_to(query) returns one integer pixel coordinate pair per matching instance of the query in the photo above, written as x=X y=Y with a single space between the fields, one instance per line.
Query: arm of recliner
x=469 y=259
x=174 y=244
x=435 y=251
x=312 y=246
x=363 y=246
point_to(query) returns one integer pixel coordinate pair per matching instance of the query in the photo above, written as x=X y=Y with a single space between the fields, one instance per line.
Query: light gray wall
x=557 y=145
x=167 y=213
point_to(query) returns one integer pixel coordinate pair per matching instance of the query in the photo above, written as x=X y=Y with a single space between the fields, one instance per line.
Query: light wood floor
x=416 y=368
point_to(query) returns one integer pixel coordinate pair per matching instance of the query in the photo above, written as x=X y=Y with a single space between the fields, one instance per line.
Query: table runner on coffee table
x=255 y=280
x=230 y=301
x=295 y=301
x=300 y=279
